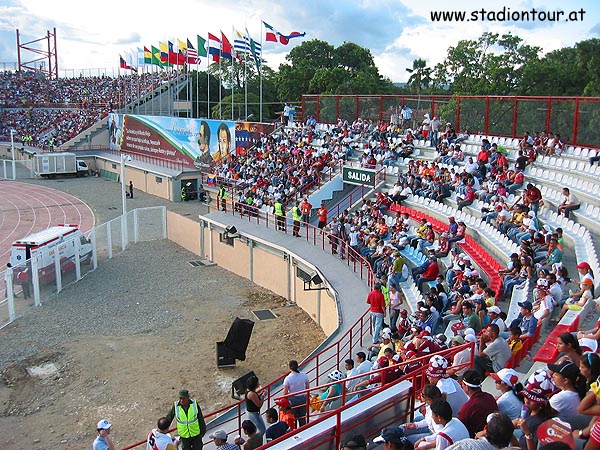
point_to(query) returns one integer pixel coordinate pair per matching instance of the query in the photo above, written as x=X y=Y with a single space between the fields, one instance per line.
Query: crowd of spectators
x=49 y=112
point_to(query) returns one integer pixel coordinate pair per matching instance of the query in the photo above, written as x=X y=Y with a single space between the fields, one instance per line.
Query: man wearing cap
x=474 y=412
x=543 y=304
x=376 y=302
x=528 y=323
x=392 y=438
x=461 y=360
x=190 y=421
x=494 y=351
x=219 y=438
x=159 y=437
x=494 y=315
x=103 y=441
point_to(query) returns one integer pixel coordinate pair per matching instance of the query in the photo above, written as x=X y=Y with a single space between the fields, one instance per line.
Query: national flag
x=182 y=46
x=192 y=54
x=156 y=56
x=164 y=52
x=272 y=35
x=123 y=64
x=214 y=47
x=211 y=179
x=226 y=48
x=256 y=51
x=132 y=60
x=147 y=56
x=140 y=55
x=285 y=39
x=175 y=58
x=201 y=46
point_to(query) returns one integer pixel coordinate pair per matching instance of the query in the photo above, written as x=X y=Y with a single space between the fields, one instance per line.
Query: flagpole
x=260 y=86
x=233 y=71
x=246 y=74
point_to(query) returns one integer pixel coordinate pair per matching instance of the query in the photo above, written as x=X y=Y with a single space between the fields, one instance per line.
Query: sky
x=91 y=35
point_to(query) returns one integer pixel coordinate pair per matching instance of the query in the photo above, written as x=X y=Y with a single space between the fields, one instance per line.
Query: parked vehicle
x=51 y=165
x=44 y=245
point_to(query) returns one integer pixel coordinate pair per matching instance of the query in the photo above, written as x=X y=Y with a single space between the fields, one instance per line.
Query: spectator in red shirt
x=430 y=274
x=377 y=307
x=474 y=412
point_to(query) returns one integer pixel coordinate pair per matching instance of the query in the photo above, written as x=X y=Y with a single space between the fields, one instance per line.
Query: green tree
x=491 y=65
x=420 y=75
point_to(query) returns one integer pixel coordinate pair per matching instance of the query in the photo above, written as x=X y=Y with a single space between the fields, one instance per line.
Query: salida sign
x=358 y=176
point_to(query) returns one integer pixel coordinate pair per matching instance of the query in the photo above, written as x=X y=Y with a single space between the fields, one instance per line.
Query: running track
x=28 y=208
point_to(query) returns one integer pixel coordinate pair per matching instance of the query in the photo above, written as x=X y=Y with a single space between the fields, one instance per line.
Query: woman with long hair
x=568 y=345
x=589 y=366
x=507 y=382
x=254 y=402
x=568 y=379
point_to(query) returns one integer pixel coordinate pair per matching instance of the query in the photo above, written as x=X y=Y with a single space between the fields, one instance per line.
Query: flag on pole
x=156 y=56
x=147 y=56
x=272 y=35
x=214 y=47
x=123 y=64
x=140 y=56
x=201 y=46
x=132 y=59
x=164 y=53
x=192 y=54
x=227 y=50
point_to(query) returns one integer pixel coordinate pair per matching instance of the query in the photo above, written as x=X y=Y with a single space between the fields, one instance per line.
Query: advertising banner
x=191 y=142
x=247 y=134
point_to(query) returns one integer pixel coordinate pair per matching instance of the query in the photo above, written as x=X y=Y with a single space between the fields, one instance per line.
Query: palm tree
x=420 y=75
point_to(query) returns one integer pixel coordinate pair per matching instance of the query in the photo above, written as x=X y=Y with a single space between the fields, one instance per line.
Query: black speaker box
x=238 y=338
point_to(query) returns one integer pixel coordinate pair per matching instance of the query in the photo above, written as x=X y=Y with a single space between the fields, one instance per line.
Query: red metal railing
x=571 y=117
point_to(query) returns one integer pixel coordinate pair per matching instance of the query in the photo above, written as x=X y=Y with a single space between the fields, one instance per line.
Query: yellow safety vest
x=279 y=209
x=296 y=213
x=187 y=424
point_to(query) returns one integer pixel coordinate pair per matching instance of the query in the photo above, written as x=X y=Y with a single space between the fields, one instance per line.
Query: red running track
x=28 y=208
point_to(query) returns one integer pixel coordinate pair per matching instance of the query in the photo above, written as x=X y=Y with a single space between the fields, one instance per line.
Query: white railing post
x=136 y=226
x=35 y=277
x=123 y=231
x=164 y=221
x=109 y=239
x=57 y=270
x=94 y=248
x=77 y=258
x=8 y=278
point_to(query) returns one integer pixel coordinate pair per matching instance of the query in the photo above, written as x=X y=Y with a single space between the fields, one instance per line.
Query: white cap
x=470 y=338
x=103 y=425
x=494 y=309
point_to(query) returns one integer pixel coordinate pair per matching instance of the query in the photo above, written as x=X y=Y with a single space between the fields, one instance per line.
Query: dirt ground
x=132 y=380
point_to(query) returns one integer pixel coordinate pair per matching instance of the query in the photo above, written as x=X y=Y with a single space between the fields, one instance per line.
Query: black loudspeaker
x=238 y=387
x=238 y=338
x=315 y=278
x=224 y=357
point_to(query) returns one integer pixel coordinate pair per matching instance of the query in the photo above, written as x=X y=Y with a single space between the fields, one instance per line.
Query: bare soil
x=132 y=380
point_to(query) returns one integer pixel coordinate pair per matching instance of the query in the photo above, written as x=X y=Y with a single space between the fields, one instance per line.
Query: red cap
x=583 y=265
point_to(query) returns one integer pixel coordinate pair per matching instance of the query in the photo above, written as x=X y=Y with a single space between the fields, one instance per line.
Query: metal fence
x=576 y=119
x=45 y=274
x=17 y=169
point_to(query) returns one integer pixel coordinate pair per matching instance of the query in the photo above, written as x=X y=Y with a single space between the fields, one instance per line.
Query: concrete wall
x=183 y=231
x=266 y=265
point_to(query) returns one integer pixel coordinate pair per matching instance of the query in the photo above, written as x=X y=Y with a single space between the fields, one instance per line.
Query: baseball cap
x=583 y=265
x=539 y=386
x=458 y=339
x=103 y=425
x=494 y=309
x=219 y=434
x=526 y=304
x=509 y=377
x=567 y=369
x=470 y=338
x=393 y=435
x=184 y=393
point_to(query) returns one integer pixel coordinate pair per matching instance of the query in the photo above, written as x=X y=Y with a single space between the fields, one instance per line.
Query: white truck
x=62 y=239
x=52 y=164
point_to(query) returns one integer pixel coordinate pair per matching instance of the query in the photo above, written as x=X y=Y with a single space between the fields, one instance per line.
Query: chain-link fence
x=55 y=264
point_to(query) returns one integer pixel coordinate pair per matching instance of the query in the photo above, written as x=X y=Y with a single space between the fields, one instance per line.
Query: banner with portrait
x=191 y=142
x=248 y=134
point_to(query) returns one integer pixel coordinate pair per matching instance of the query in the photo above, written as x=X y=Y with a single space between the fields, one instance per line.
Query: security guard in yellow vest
x=280 y=215
x=222 y=198
x=296 y=217
x=190 y=421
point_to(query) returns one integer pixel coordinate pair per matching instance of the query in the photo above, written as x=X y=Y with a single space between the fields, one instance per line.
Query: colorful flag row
x=185 y=53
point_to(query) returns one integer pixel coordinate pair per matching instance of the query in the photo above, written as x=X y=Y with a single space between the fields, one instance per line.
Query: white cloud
x=397 y=32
